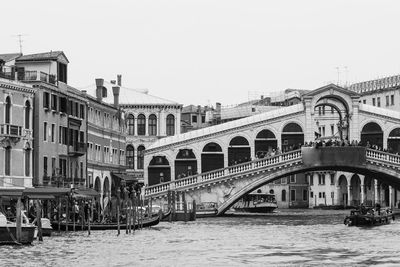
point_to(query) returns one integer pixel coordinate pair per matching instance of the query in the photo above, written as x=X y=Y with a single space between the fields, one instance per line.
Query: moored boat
x=8 y=232
x=256 y=203
x=206 y=209
x=146 y=222
x=369 y=217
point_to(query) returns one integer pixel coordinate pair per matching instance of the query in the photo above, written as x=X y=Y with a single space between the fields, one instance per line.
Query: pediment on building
x=331 y=89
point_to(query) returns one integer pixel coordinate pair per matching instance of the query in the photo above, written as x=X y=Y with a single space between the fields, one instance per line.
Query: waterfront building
x=16 y=138
x=148 y=118
x=60 y=119
x=196 y=117
x=106 y=137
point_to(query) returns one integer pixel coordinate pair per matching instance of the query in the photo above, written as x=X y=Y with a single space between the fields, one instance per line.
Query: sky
x=205 y=51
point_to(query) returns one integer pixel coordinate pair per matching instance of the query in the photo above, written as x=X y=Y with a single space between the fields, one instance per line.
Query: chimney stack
x=113 y=82
x=119 y=79
x=116 y=95
x=99 y=89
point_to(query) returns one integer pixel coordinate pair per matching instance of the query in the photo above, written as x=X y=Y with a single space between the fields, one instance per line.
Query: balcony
x=34 y=75
x=62 y=181
x=77 y=149
x=10 y=134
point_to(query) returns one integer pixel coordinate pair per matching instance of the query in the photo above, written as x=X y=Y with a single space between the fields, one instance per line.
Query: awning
x=11 y=192
x=85 y=193
x=46 y=192
x=125 y=177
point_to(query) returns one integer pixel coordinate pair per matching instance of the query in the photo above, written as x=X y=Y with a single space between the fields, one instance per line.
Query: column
x=309 y=132
x=135 y=126
x=390 y=196
x=363 y=200
x=348 y=195
x=376 y=199
x=146 y=133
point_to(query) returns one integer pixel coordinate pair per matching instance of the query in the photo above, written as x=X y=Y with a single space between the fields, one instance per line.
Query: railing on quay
x=208 y=177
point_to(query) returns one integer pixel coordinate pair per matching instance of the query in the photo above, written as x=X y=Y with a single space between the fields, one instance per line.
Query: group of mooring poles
x=177 y=202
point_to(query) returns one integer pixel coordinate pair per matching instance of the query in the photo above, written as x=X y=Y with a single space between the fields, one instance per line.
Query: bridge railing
x=383 y=156
x=216 y=174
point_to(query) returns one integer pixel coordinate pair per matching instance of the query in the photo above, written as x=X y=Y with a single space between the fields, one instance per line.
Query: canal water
x=292 y=237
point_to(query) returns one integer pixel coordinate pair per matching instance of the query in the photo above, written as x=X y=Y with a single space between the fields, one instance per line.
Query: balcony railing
x=10 y=130
x=33 y=75
x=77 y=149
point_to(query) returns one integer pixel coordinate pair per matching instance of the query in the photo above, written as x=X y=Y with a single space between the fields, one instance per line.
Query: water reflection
x=284 y=238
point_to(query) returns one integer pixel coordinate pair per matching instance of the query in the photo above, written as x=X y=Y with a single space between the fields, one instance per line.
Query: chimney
x=113 y=82
x=99 y=89
x=218 y=107
x=116 y=95
x=119 y=79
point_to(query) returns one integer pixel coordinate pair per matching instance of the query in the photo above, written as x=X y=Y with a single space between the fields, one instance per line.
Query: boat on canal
x=369 y=217
x=256 y=203
x=8 y=232
x=146 y=222
x=206 y=209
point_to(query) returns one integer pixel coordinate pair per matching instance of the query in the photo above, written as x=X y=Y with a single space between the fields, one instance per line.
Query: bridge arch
x=372 y=133
x=159 y=170
x=292 y=135
x=212 y=157
x=264 y=142
x=185 y=163
x=393 y=142
x=239 y=150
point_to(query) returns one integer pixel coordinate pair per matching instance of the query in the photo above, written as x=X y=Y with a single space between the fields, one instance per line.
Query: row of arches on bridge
x=212 y=156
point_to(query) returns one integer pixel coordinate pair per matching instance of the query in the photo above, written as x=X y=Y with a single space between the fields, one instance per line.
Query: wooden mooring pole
x=39 y=220
x=184 y=206
x=18 y=222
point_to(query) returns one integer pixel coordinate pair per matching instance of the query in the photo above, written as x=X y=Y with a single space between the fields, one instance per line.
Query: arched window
x=152 y=124
x=28 y=161
x=140 y=157
x=141 y=125
x=131 y=124
x=170 y=125
x=283 y=195
x=8 y=109
x=130 y=163
x=27 y=114
x=7 y=162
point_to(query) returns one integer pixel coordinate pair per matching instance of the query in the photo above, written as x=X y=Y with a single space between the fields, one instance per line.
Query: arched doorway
x=238 y=151
x=372 y=134
x=106 y=187
x=342 y=194
x=212 y=157
x=159 y=170
x=394 y=141
x=355 y=190
x=185 y=164
x=292 y=137
x=97 y=185
x=265 y=142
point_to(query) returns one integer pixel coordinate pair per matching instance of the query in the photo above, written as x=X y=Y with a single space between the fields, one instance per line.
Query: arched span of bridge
x=387 y=174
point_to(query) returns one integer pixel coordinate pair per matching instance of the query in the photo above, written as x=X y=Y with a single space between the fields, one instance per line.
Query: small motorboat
x=8 y=232
x=369 y=217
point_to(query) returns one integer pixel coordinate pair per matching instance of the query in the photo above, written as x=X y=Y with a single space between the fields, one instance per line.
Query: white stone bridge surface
x=227 y=185
x=233 y=154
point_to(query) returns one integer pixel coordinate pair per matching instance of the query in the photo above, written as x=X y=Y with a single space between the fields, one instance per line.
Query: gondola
x=147 y=222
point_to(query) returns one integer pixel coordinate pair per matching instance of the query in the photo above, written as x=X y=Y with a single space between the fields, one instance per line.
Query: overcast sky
x=202 y=52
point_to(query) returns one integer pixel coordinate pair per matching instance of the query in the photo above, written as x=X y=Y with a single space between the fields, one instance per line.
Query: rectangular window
x=44 y=131
x=387 y=100
x=194 y=118
x=332 y=179
x=332 y=110
x=293 y=195
x=60 y=134
x=392 y=100
x=81 y=168
x=364 y=101
x=284 y=180
x=323 y=130
x=311 y=179
x=323 y=194
x=54 y=102
x=319 y=110
x=203 y=119
x=373 y=101
x=332 y=129
x=53 y=167
x=7 y=160
x=323 y=110
x=293 y=178
x=378 y=100
x=319 y=195
x=311 y=194
x=46 y=100
x=45 y=167
x=82 y=112
x=305 y=195
x=53 y=132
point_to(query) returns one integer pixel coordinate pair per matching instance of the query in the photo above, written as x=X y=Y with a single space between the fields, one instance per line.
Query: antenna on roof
x=20 y=40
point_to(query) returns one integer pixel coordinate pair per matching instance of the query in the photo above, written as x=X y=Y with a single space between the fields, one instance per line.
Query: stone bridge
x=227 y=185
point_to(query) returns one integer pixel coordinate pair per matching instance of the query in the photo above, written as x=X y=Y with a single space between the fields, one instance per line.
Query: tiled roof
x=129 y=96
x=228 y=125
x=52 y=55
x=9 y=57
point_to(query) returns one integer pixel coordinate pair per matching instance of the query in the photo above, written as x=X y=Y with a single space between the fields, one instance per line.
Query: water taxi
x=369 y=217
x=256 y=203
